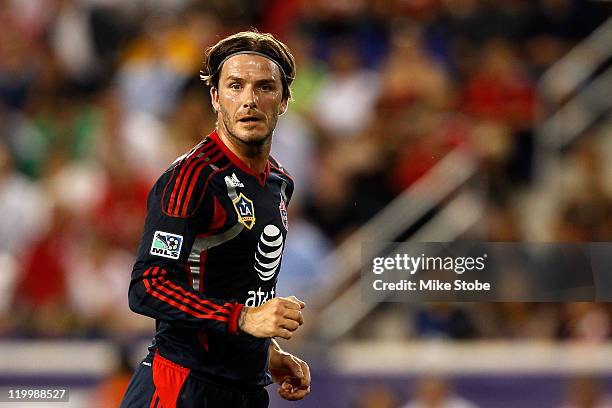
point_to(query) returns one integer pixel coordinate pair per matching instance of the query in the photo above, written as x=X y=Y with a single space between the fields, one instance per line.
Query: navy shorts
x=160 y=383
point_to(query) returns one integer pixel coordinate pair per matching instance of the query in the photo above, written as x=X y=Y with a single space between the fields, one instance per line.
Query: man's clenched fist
x=278 y=317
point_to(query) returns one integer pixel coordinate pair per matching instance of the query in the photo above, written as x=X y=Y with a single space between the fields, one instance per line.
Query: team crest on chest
x=245 y=209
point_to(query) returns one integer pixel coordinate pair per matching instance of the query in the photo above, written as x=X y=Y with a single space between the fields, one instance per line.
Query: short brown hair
x=262 y=43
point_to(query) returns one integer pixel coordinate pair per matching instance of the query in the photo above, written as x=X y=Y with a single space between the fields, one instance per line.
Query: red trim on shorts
x=154 y=400
x=168 y=378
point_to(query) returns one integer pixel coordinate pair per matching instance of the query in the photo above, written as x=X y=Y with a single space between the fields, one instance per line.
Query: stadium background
x=425 y=120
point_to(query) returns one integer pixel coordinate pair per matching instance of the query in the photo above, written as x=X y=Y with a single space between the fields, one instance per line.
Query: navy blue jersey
x=212 y=243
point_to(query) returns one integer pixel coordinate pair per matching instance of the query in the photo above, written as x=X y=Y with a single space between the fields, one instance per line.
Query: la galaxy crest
x=245 y=209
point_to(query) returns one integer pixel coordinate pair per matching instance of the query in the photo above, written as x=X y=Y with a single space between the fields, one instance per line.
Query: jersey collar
x=238 y=162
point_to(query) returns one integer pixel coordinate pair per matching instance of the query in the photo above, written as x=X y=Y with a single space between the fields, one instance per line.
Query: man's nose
x=250 y=99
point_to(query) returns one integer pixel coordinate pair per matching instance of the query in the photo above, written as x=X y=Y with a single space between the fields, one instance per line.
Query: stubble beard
x=253 y=147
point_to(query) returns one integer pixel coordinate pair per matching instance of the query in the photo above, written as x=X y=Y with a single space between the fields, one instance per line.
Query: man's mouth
x=249 y=119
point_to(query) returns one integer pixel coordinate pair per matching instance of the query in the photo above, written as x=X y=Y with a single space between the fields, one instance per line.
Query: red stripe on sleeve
x=196 y=302
x=204 y=309
x=185 y=309
x=162 y=272
x=181 y=294
x=184 y=203
x=185 y=180
x=185 y=301
x=184 y=161
x=186 y=168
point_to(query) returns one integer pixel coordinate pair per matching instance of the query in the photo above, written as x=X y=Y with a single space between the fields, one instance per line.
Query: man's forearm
x=274 y=350
x=274 y=343
x=242 y=317
x=274 y=347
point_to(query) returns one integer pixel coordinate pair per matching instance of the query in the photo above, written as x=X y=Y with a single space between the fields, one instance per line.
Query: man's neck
x=255 y=157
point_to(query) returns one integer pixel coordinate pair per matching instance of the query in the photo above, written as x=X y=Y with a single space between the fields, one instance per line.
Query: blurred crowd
x=439 y=392
x=98 y=97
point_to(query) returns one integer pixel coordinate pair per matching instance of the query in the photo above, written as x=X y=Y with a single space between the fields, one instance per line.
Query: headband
x=284 y=76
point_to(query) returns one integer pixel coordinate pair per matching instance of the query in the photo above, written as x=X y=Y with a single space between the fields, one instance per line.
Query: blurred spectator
x=121 y=208
x=436 y=393
x=304 y=268
x=98 y=276
x=72 y=41
x=192 y=119
x=503 y=225
x=410 y=75
x=344 y=105
x=376 y=396
x=24 y=213
x=17 y=52
x=42 y=304
x=520 y=320
x=586 y=392
x=312 y=73
x=350 y=186
x=445 y=321
x=110 y=391
x=583 y=321
x=500 y=89
x=294 y=144
x=8 y=280
x=431 y=137
x=156 y=65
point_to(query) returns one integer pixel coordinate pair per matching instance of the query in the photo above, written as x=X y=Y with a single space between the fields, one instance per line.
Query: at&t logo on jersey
x=166 y=245
x=269 y=251
x=267 y=263
x=245 y=210
x=258 y=297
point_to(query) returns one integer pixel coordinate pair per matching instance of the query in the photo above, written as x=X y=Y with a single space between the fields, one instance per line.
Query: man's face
x=249 y=98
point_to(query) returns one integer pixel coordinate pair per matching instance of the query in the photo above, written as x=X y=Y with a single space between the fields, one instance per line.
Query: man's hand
x=291 y=373
x=278 y=317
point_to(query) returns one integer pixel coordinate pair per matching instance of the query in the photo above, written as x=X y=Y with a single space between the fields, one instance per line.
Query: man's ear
x=214 y=98
x=283 y=106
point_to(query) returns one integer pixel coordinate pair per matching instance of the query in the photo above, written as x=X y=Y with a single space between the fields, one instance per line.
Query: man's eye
x=267 y=87
x=235 y=85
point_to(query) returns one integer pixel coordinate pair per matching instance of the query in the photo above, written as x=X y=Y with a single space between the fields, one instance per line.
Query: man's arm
x=157 y=293
x=177 y=209
x=290 y=372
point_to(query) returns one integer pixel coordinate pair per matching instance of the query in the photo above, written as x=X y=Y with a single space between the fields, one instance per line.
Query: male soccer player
x=212 y=245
